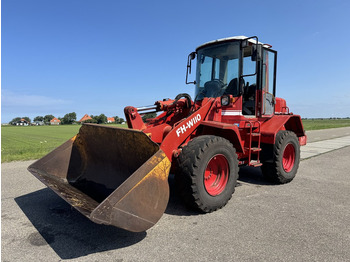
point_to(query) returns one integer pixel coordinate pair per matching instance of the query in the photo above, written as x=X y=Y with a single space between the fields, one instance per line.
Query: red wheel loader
x=119 y=177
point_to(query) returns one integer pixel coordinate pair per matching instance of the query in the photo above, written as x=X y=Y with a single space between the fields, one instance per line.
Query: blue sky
x=83 y=56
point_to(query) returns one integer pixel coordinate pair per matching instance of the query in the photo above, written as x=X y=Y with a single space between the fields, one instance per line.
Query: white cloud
x=12 y=99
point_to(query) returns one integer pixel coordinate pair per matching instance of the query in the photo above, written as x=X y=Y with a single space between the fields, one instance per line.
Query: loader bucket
x=111 y=175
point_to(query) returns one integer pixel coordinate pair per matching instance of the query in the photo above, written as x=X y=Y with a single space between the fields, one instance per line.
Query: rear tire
x=207 y=172
x=286 y=157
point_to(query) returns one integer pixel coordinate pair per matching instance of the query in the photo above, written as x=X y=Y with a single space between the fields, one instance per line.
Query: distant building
x=84 y=118
x=55 y=121
x=110 y=120
x=38 y=123
x=22 y=122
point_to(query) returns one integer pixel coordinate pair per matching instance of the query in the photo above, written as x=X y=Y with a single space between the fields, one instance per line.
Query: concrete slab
x=304 y=155
x=324 y=134
x=311 y=149
x=320 y=147
x=339 y=140
x=316 y=150
x=326 y=145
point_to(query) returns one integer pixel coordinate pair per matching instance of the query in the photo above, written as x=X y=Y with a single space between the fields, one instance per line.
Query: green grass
x=316 y=124
x=33 y=142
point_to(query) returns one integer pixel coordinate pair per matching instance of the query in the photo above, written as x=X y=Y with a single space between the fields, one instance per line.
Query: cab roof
x=232 y=38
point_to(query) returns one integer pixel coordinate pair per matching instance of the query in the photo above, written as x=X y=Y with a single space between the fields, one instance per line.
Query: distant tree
x=147 y=116
x=15 y=120
x=91 y=120
x=120 y=120
x=48 y=118
x=116 y=119
x=39 y=118
x=69 y=118
x=101 y=119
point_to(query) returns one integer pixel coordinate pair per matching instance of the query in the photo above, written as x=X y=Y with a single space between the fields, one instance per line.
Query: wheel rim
x=216 y=175
x=288 y=158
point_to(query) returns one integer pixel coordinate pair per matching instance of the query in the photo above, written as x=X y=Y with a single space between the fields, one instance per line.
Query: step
x=255 y=163
x=253 y=149
x=254 y=134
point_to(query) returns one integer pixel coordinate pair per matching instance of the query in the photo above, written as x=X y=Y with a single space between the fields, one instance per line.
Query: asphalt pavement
x=305 y=220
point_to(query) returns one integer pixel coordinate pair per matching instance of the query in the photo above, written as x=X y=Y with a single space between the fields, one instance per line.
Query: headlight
x=225 y=100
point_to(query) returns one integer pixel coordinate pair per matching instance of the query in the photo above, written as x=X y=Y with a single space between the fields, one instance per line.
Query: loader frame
x=116 y=176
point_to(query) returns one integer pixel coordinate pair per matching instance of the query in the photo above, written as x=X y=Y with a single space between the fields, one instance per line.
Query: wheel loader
x=118 y=176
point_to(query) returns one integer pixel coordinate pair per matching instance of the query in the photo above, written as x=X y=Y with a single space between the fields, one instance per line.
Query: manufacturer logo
x=190 y=123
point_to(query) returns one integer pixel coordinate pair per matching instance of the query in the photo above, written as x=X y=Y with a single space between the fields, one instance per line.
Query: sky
x=93 y=57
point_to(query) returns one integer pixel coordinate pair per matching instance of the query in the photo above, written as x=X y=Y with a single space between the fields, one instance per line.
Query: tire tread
x=189 y=163
x=274 y=171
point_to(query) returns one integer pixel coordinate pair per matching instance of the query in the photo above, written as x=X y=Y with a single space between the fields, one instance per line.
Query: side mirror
x=191 y=57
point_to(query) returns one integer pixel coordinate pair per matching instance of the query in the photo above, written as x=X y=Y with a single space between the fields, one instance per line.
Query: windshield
x=217 y=70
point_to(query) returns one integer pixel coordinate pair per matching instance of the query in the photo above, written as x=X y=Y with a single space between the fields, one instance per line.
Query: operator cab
x=240 y=67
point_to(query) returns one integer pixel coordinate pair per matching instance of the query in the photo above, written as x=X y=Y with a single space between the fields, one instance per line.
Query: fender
x=228 y=131
x=270 y=128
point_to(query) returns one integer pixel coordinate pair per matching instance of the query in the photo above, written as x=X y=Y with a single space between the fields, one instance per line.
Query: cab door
x=249 y=82
x=268 y=82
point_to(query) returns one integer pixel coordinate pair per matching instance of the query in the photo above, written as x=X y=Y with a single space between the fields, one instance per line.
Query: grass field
x=315 y=124
x=33 y=142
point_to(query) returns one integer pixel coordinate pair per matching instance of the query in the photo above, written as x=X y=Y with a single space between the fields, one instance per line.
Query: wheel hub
x=288 y=158
x=216 y=175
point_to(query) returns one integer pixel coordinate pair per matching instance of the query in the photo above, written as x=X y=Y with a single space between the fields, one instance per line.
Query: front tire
x=286 y=158
x=207 y=172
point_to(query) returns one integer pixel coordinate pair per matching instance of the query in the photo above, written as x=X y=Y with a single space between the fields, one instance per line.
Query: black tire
x=286 y=158
x=195 y=178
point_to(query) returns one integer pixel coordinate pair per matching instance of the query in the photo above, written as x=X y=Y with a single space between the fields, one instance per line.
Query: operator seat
x=232 y=88
x=213 y=88
x=248 y=107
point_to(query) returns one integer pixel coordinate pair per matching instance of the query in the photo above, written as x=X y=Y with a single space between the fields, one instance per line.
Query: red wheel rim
x=216 y=175
x=288 y=158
